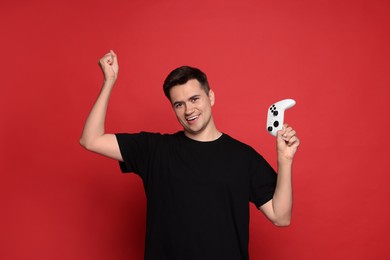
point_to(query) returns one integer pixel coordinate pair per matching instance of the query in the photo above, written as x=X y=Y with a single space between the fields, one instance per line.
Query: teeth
x=192 y=118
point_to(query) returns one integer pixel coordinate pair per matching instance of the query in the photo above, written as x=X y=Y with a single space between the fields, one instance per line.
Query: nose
x=189 y=109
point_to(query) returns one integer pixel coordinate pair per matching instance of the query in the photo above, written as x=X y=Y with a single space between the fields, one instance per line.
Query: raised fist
x=109 y=66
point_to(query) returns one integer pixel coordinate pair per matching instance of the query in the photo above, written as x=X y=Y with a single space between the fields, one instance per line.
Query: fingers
x=288 y=134
x=293 y=141
x=109 y=65
x=109 y=58
x=112 y=59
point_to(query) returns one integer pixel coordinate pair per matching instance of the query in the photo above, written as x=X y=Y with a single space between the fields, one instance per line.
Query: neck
x=204 y=137
x=210 y=133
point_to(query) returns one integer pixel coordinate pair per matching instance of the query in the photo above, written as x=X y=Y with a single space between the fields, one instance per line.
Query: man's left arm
x=278 y=210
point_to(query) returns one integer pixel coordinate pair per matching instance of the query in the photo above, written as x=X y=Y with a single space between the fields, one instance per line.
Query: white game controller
x=275 y=117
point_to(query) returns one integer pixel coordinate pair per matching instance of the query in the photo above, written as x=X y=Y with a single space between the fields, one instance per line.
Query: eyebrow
x=181 y=102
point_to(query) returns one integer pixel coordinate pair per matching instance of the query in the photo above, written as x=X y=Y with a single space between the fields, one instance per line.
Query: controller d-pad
x=276 y=123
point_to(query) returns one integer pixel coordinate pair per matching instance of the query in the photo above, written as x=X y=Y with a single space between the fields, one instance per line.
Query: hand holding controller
x=275 y=117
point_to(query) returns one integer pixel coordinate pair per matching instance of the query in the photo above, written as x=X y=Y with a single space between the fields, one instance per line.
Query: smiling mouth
x=192 y=118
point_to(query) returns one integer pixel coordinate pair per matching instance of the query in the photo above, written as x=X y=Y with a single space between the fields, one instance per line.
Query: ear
x=211 y=97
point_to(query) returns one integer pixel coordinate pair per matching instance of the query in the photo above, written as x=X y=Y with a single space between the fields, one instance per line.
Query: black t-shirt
x=198 y=193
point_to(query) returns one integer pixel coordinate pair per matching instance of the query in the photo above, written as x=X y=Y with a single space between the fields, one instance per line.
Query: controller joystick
x=275 y=115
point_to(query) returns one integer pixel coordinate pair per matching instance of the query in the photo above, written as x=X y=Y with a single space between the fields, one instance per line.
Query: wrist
x=109 y=82
x=283 y=160
x=110 y=79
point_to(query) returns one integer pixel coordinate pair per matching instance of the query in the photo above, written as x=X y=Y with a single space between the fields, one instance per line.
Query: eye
x=178 y=105
x=194 y=99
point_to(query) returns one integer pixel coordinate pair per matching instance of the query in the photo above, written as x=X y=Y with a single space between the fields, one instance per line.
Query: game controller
x=275 y=117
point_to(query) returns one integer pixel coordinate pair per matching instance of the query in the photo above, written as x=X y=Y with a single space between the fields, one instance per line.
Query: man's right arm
x=93 y=137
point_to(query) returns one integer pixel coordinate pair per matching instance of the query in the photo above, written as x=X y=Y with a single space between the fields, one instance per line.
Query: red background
x=60 y=202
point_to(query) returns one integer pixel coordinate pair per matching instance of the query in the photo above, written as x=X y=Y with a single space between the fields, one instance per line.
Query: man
x=199 y=181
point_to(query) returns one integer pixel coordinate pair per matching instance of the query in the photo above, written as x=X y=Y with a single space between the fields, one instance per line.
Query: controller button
x=276 y=113
x=276 y=123
x=270 y=129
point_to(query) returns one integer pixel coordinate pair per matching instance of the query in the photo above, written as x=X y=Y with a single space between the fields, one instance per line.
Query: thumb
x=114 y=58
x=281 y=134
x=113 y=54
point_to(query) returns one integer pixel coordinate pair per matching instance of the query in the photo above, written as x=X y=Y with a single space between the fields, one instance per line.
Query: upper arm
x=106 y=145
x=267 y=209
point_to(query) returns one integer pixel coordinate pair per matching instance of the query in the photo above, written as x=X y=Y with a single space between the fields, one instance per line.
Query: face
x=192 y=107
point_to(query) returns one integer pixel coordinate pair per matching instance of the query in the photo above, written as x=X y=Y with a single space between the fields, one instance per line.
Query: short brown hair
x=181 y=75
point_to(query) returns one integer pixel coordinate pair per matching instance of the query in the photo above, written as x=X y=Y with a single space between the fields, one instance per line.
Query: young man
x=199 y=181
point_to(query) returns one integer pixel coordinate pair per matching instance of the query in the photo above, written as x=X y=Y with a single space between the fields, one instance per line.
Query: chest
x=198 y=169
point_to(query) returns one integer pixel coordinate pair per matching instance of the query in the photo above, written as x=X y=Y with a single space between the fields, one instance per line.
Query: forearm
x=282 y=200
x=279 y=209
x=94 y=125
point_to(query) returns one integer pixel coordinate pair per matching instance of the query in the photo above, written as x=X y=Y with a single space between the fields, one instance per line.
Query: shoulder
x=234 y=143
x=145 y=137
x=244 y=151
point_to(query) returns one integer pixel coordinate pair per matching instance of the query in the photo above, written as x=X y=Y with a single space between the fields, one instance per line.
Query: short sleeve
x=263 y=181
x=135 y=150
